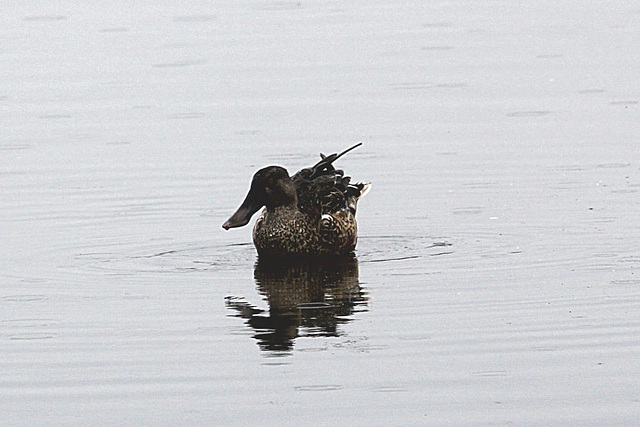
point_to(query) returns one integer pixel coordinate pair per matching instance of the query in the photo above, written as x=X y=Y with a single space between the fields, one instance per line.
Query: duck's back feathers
x=322 y=189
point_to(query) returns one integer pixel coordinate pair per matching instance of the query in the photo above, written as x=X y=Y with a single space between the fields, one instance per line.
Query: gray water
x=496 y=279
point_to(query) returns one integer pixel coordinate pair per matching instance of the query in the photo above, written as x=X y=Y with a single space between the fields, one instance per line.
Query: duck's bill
x=243 y=214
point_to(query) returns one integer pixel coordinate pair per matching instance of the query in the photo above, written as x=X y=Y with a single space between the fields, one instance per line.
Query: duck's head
x=270 y=187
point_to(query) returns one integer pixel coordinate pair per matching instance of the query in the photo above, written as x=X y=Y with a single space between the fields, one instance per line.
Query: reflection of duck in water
x=309 y=298
x=311 y=213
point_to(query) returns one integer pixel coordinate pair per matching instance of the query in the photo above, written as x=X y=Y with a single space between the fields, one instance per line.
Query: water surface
x=496 y=277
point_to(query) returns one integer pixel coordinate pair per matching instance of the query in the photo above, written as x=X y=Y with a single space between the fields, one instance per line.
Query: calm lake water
x=497 y=275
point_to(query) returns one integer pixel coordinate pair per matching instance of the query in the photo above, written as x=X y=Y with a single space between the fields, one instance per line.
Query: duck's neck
x=287 y=199
x=288 y=206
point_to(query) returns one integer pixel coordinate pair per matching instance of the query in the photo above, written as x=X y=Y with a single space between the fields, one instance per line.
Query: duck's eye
x=270 y=181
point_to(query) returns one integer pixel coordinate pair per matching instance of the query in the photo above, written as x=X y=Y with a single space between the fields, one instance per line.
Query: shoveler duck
x=311 y=213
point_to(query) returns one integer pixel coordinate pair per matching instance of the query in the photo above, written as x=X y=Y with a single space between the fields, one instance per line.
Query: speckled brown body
x=285 y=230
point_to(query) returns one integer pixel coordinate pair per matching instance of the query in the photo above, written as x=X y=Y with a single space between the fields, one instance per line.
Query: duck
x=312 y=213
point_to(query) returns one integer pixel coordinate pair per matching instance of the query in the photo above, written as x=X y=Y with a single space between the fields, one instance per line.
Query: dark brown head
x=270 y=187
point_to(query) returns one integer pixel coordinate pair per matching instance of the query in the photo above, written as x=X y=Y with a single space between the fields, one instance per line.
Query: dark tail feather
x=325 y=164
